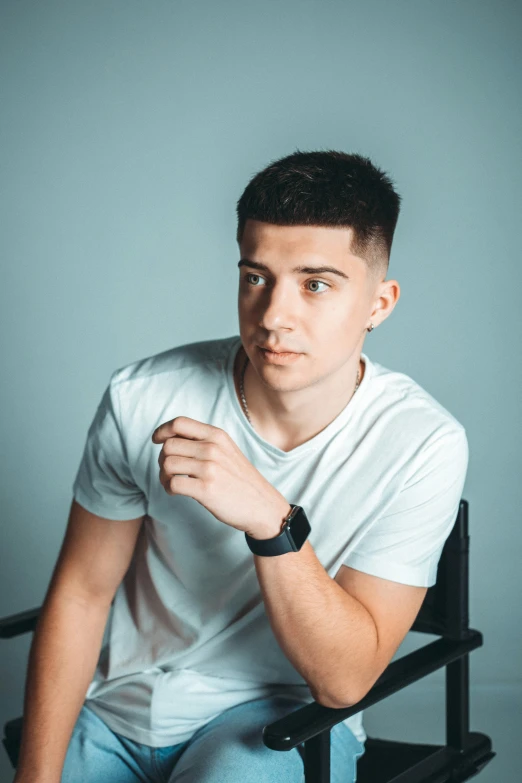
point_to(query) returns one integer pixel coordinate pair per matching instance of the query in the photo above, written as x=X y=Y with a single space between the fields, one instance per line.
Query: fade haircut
x=327 y=188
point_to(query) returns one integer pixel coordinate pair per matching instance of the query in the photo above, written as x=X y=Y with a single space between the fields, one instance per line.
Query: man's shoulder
x=158 y=369
x=410 y=405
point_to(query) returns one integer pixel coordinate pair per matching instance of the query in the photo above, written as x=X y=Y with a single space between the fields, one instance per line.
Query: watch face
x=298 y=528
x=291 y=538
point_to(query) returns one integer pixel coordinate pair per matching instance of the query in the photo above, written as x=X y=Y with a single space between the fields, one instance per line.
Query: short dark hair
x=327 y=188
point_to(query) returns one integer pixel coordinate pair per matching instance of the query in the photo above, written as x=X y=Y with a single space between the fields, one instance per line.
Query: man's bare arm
x=340 y=634
x=93 y=559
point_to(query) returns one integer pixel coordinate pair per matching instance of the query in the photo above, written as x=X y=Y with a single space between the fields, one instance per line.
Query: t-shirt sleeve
x=405 y=543
x=104 y=484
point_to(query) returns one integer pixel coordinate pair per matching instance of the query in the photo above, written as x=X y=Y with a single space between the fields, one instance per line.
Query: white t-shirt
x=188 y=635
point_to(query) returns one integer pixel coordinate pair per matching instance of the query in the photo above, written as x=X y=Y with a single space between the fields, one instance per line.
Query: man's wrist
x=273 y=529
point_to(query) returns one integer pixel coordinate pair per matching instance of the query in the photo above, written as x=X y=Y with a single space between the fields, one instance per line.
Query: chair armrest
x=16 y=624
x=312 y=719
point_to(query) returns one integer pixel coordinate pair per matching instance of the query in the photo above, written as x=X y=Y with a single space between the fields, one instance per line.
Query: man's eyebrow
x=306 y=270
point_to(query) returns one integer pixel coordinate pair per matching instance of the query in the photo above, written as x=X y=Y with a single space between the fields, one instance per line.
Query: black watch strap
x=291 y=538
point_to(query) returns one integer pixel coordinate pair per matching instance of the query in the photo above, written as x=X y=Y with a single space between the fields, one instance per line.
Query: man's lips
x=279 y=350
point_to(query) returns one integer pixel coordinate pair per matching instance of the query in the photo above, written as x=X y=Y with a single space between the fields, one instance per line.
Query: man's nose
x=278 y=309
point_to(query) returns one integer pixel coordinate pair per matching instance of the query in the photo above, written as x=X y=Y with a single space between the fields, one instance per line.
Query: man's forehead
x=314 y=241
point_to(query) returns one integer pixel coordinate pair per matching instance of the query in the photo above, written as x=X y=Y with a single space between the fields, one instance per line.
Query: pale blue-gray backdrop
x=128 y=131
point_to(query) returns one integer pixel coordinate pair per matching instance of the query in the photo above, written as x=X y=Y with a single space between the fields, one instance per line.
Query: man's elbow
x=347 y=694
x=340 y=700
x=357 y=693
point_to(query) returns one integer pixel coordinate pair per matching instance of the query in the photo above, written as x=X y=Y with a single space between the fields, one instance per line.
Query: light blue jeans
x=228 y=749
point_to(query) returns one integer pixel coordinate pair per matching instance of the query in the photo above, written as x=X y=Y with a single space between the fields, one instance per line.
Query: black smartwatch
x=291 y=538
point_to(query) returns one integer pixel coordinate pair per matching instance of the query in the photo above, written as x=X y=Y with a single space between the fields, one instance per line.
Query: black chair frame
x=444 y=613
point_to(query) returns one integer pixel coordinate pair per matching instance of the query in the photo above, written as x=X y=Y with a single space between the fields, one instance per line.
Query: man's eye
x=250 y=274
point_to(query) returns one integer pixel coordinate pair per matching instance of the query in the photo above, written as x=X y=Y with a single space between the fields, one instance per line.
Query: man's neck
x=282 y=428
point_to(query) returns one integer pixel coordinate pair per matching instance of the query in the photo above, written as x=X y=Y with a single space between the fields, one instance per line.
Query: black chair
x=444 y=613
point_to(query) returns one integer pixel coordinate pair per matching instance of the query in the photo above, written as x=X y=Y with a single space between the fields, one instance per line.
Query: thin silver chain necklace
x=242 y=389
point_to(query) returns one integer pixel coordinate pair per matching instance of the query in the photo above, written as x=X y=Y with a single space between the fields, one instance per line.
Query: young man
x=267 y=511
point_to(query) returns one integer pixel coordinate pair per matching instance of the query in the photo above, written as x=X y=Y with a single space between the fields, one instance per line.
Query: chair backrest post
x=457 y=576
x=457 y=616
x=457 y=703
x=445 y=610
